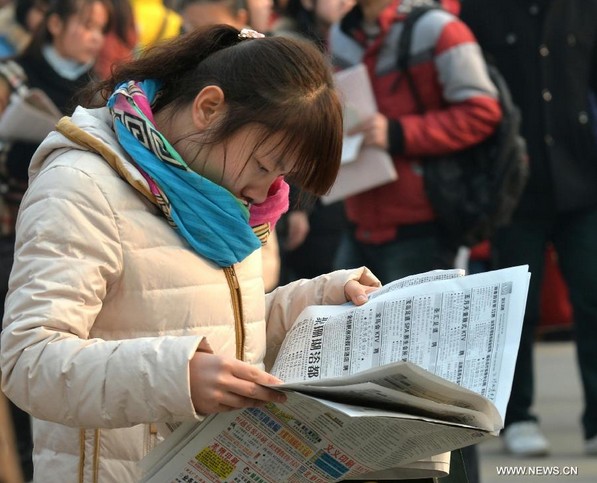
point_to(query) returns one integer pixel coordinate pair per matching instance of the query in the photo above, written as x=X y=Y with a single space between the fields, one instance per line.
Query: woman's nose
x=257 y=193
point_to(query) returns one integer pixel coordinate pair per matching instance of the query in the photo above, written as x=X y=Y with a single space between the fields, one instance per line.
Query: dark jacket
x=547 y=52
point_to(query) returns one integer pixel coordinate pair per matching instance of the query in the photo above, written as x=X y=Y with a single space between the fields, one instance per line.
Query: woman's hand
x=220 y=384
x=356 y=291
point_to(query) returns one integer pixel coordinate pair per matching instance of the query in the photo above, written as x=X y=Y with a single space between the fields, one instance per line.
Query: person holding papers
x=393 y=227
x=136 y=295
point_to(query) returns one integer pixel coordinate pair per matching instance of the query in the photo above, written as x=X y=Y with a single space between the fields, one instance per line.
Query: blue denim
x=574 y=236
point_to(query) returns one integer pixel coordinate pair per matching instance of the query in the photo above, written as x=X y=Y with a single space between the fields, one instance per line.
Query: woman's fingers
x=375 y=130
x=250 y=383
x=235 y=401
x=218 y=382
x=357 y=291
x=368 y=279
x=247 y=372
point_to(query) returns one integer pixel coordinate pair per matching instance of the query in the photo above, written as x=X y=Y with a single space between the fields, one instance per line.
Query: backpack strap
x=404 y=48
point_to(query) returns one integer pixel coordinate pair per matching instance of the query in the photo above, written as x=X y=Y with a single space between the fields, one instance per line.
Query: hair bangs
x=312 y=139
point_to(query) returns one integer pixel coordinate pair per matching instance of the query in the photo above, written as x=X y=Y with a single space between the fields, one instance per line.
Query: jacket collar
x=82 y=138
x=352 y=24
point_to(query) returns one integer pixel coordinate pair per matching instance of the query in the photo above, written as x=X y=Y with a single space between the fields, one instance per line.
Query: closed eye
x=262 y=167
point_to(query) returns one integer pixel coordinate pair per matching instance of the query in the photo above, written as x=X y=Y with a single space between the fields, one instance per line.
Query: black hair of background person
x=22 y=8
x=305 y=21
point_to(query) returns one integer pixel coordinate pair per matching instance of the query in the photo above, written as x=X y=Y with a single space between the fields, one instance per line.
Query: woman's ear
x=55 y=25
x=208 y=106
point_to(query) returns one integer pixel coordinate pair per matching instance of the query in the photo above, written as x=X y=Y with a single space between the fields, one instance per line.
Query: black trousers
x=574 y=236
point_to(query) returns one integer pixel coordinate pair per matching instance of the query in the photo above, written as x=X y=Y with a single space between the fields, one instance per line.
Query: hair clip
x=250 y=34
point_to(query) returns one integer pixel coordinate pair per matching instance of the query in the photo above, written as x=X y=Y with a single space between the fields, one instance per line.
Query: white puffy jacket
x=107 y=304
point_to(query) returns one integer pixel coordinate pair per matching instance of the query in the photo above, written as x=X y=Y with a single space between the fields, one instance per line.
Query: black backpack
x=476 y=190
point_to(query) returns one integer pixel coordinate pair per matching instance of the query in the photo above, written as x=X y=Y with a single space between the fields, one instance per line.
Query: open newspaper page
x=312 y=439
x=459 y=329
x=307 y=441
x=362 y=167
x=364 y=407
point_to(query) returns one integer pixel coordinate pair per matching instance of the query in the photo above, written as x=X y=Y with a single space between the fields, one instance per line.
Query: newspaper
x=29 y=118
x=424 y=367
x=362 y=167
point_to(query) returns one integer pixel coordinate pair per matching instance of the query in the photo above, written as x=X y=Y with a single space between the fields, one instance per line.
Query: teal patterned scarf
x=209 y=217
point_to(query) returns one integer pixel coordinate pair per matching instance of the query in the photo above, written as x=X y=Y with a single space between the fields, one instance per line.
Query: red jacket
x=461 y=107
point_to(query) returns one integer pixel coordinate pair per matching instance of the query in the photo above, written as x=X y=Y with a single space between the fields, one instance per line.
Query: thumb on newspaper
x=357 y=291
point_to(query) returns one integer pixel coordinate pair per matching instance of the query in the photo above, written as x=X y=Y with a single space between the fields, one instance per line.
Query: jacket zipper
x=96 y=441
x=237 y=307
x=81 y=455
x=96 y=446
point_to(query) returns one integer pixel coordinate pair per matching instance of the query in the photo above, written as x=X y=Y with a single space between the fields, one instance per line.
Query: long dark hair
x=284 y=85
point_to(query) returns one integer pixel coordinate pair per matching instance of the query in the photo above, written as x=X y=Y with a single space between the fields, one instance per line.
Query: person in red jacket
x=393 y=228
